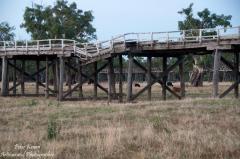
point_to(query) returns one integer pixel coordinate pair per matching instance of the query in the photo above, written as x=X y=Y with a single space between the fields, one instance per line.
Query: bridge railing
x=36 y=44
x=91 y=49
x=192 y=35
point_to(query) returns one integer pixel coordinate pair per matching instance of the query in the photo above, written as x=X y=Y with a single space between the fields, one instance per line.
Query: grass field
x=196 y=127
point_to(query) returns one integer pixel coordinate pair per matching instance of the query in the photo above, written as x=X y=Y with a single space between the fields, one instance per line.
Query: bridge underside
x=61 y=74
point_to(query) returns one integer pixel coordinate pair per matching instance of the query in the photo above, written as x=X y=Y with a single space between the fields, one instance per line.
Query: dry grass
x=190 y=128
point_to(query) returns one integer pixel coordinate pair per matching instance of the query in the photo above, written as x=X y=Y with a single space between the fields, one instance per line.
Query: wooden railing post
x=15 y=43
x=239 y=32
x=124 y=41
x=62 y=43
x=151 y=39
x=200 y=36
x=26 y=45
x=74 y=46
x=50 y=44
x=217 y=56
x=218 y=35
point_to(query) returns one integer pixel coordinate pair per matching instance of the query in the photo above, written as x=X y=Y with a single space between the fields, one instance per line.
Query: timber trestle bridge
x=63 y=56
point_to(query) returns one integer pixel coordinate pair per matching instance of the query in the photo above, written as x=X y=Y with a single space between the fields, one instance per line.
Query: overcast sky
x=113 y=17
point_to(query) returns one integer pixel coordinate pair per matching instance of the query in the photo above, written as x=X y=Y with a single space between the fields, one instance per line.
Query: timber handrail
x=96 y=48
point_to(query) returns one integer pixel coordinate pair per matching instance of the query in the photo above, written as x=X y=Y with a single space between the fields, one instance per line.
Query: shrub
x=53 y=128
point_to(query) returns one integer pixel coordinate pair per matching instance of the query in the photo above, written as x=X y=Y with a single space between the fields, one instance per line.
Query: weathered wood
x=149 y=79
x=113 y=89
x=37 y=77
x=236 y=73
x=181 y=74
x=80 y=79
x=47 y=79
x=217 y=56
x=69 y=78
x=129 y=78
x=29 y=76
x=233 y=86
x=95 y=81
x=61 y=78
x=164 y=78
x=144 y=89
x=14 y=78
x=4 y=90
x=22 y=78
x=54 y=77
x=57 y=75
x=120 y=78
x=109 y=79
x=72 y=90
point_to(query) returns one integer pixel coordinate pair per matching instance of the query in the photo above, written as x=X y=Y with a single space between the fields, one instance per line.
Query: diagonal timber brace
x=30 y=76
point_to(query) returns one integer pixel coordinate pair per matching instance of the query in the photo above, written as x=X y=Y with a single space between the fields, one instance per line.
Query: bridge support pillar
x=57 y=75
x=61 y=78
x=236 y=72
x=80 y=79
x=69 y=78
x=37 y=77
x=149 y=80
x=22 y=78
x=217 y=56
x=109 y=79
x=181 y=74
x=129 y=78
x=95 y=81
x=120 y=79
x=54 y=77
x=14 y=77
x=47 y=79
x=4 y=90
x=164 y=68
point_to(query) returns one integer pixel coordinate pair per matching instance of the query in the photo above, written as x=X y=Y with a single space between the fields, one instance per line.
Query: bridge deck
x=155 y=43
x=59 y=53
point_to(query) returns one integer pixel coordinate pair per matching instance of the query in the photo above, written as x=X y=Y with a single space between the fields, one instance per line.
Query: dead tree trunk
x=196 y=78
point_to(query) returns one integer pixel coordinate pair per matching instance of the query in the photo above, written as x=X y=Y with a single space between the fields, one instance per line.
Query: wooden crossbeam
x=144 y=89
x=98 y=70
x=71 y=90
x=155 y=79
x=29 y=76
x=228 y=64
x=145 y=70
x=19 y=70
x=229 y=89
x=169 y=69
x=89 y=77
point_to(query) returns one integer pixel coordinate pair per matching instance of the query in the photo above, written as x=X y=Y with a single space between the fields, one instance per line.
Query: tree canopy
x=62 y=20
x=204 y=19
x=6 y=32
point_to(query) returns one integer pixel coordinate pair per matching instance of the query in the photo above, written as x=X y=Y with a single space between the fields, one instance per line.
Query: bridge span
x=64 y=56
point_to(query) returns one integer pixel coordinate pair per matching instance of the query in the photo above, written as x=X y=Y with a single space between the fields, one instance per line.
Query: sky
x=114 y=17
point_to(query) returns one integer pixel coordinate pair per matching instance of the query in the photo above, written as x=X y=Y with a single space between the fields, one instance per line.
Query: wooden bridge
x=64 y=56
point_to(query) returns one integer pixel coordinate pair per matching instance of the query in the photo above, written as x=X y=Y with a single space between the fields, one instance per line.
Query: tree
x=6 y=32
x=63 y=20
x=205 y=19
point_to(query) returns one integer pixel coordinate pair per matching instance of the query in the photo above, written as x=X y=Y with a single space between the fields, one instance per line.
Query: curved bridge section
x=59 y=52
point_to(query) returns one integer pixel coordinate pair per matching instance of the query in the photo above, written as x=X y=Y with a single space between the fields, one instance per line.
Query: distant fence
x=173 y=76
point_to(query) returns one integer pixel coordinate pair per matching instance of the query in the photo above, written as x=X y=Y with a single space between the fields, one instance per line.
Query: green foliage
x=6 y=32
x=52 y=130
x=29 y=103
x=62 y=20
x=205 y=19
